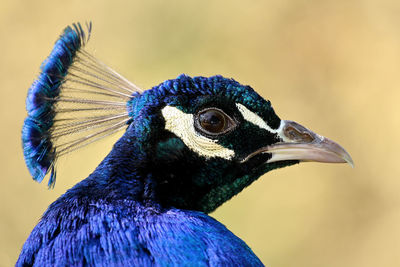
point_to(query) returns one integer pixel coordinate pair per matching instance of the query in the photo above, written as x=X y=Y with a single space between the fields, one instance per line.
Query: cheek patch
x=182 y=125
x=254 y=118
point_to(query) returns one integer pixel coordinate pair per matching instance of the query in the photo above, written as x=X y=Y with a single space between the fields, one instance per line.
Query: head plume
x=75 y=100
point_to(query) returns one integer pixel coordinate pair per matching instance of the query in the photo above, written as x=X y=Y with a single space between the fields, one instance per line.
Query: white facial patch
x=254 y=118
x=182 y=125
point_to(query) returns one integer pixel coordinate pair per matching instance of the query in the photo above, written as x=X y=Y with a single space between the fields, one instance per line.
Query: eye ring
x=213 y=122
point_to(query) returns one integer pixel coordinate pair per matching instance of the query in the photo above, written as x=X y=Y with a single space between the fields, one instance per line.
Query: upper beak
x=302 y=144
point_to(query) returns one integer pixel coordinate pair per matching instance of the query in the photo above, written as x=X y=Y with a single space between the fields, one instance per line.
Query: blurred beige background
x=333 y=66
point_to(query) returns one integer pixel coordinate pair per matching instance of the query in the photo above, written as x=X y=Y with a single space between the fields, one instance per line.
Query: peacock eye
x=214 y=121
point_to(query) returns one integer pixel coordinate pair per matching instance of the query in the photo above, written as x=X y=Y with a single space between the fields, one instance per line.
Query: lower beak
x=299 y=143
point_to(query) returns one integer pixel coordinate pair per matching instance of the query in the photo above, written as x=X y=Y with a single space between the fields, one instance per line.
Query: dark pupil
x=212 y=121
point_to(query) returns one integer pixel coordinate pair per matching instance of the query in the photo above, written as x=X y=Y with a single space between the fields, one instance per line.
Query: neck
x=121 y=175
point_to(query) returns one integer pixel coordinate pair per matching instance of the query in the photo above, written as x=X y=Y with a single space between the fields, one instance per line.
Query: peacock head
x=199 y=140
x=206 y=139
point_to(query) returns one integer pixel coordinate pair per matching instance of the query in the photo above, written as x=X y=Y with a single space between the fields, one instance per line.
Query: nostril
x=297 y=135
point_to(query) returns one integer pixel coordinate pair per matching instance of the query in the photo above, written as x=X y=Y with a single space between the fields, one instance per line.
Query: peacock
x=190 y=144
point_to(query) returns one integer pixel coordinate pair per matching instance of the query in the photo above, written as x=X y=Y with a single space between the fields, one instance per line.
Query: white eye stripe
x=182 y=125
x=254 y=118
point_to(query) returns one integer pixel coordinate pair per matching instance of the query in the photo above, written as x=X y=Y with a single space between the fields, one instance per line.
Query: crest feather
x=76 y=100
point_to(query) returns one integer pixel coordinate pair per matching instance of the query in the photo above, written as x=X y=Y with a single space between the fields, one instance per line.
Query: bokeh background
x=333 y=66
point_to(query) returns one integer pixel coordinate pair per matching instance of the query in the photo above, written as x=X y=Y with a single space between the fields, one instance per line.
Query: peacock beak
x=299 y=143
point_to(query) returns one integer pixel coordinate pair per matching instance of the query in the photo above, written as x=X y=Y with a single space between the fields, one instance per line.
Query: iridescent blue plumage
x=190 y=145
x=122 y=214
x=38 y=148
